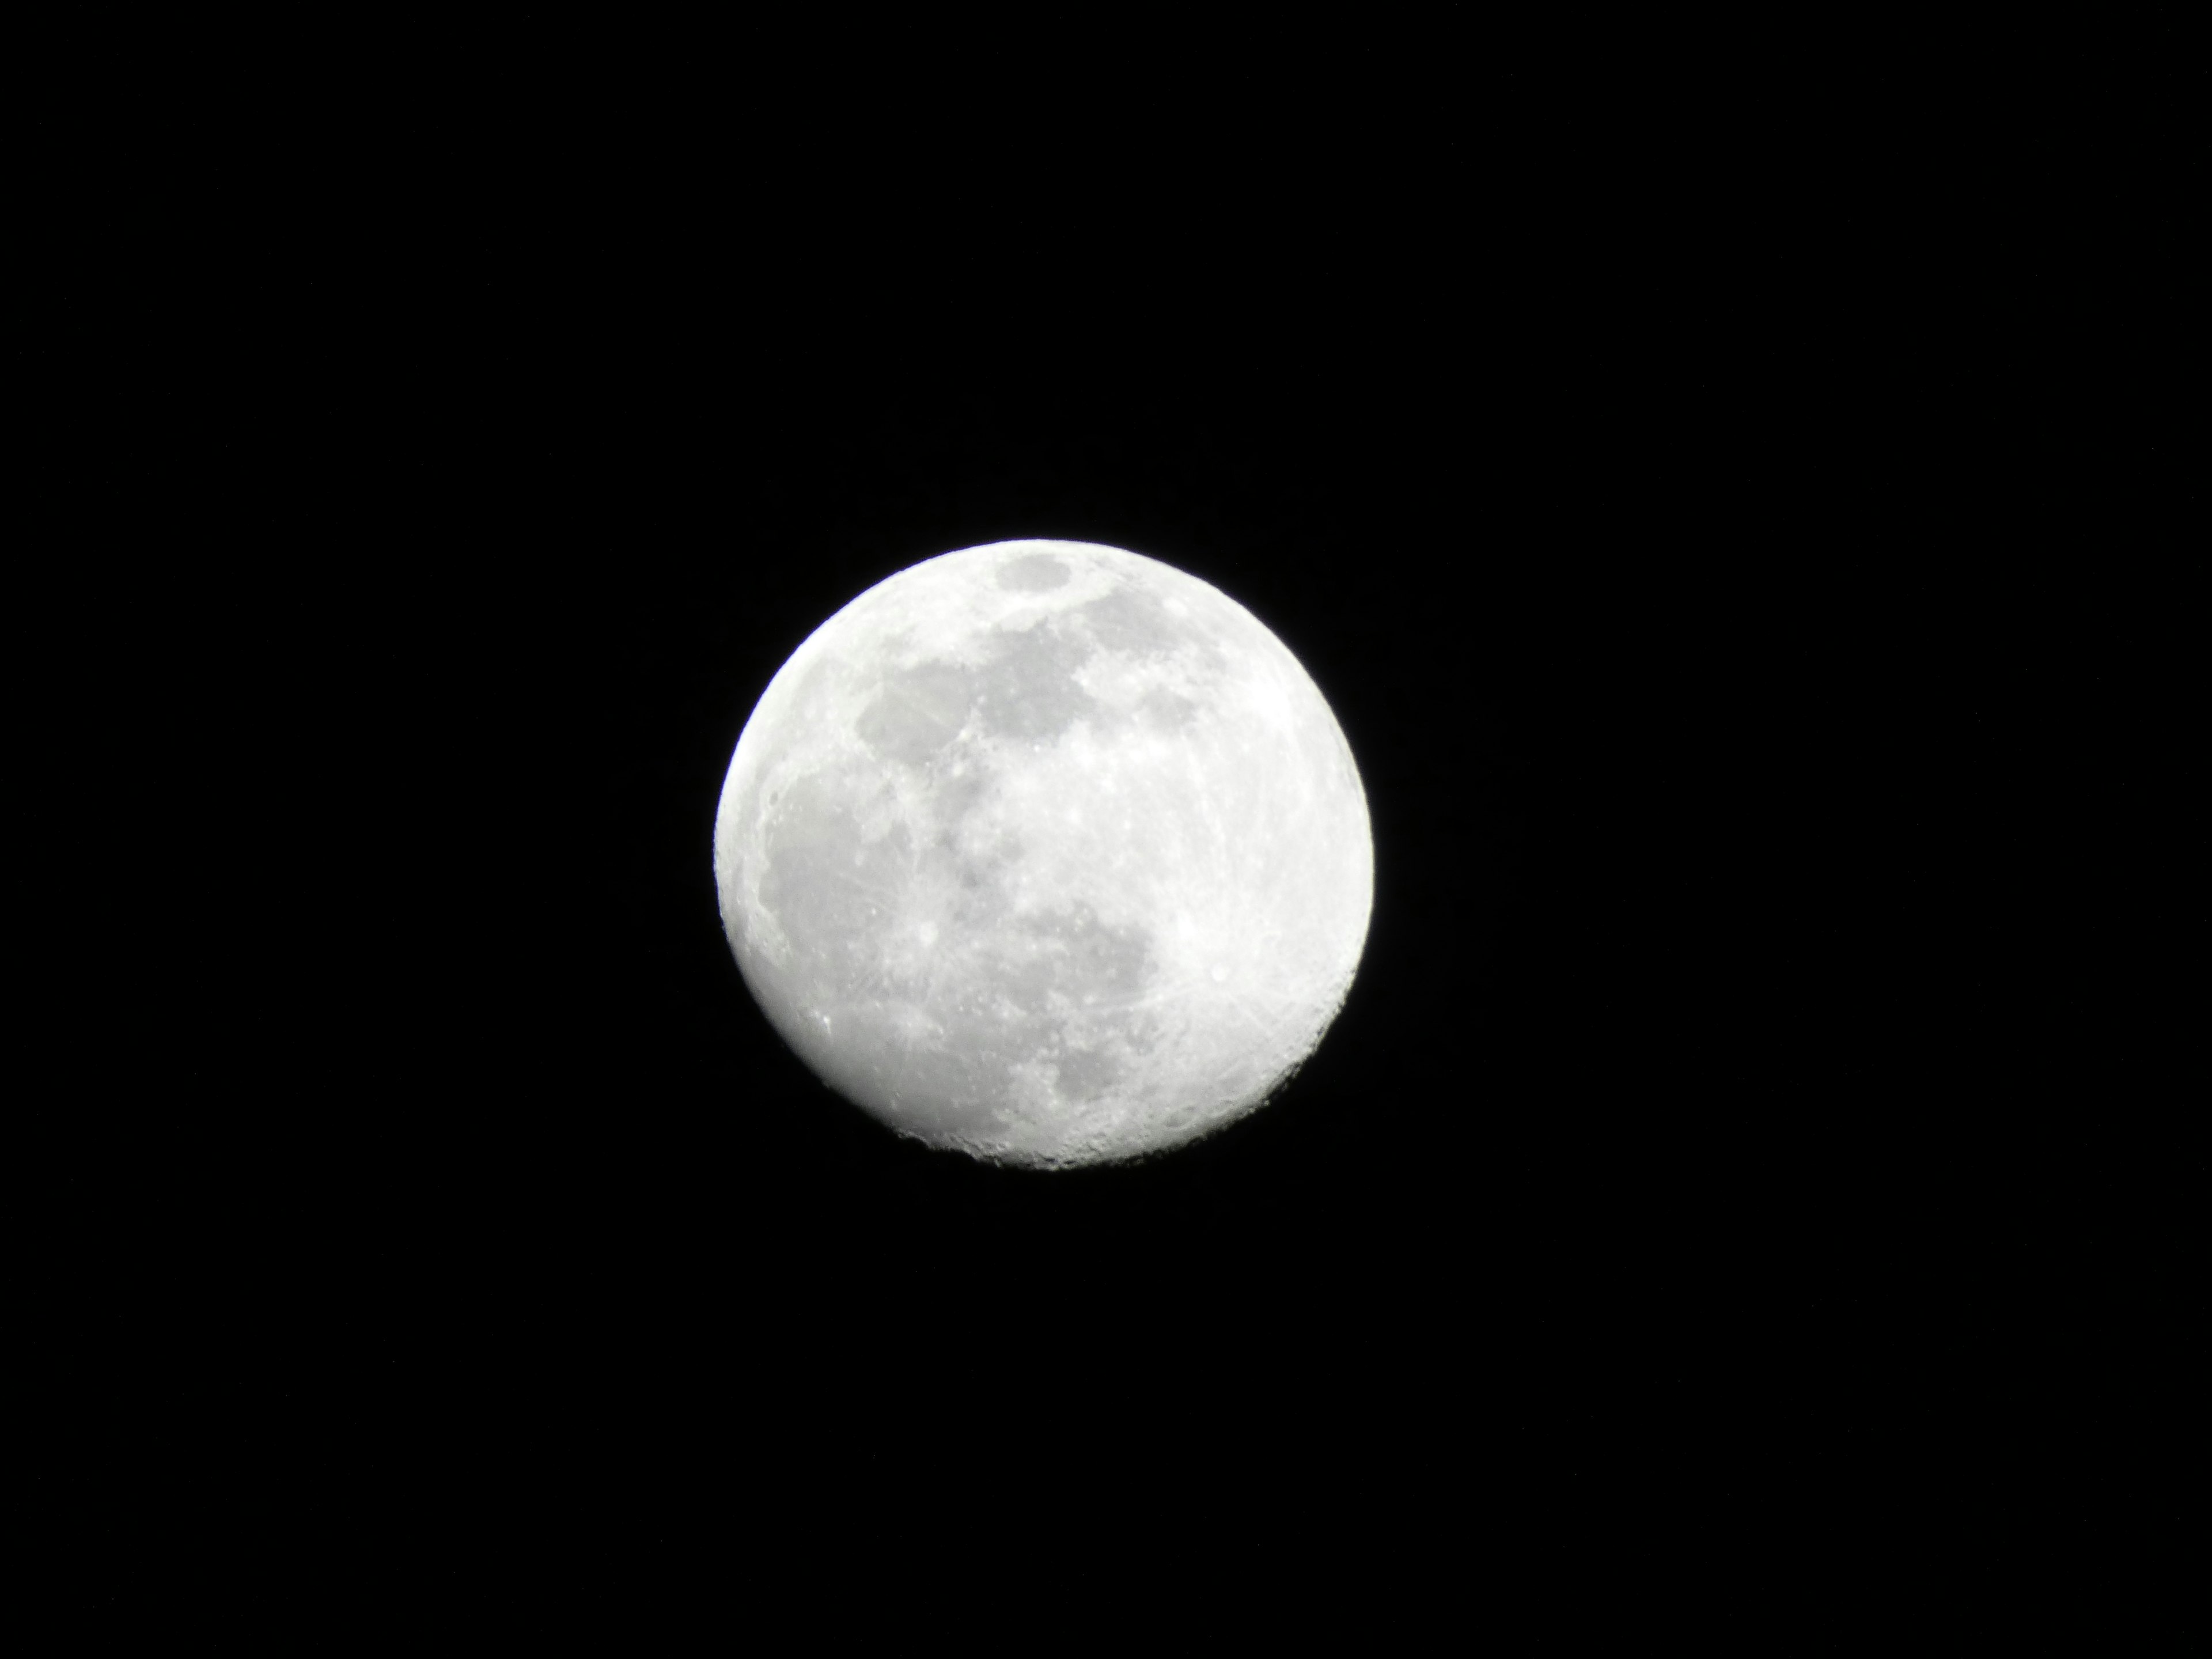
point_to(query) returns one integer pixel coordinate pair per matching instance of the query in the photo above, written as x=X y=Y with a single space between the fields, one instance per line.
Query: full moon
x=1045 y=852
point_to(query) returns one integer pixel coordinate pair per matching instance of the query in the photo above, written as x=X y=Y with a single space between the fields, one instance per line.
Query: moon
x=1045 y=852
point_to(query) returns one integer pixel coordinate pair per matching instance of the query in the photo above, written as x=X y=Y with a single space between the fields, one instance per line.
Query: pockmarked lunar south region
x=1047 y=852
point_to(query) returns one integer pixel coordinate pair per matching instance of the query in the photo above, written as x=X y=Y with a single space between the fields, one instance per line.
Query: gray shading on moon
x=1047 y=852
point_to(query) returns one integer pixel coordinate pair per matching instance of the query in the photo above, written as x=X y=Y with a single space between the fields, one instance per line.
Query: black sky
x=1674 y=528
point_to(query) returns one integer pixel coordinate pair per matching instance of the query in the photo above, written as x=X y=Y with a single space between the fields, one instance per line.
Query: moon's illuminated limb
x=1047 y=850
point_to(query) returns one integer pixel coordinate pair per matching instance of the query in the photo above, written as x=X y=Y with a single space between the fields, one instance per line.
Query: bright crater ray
x=1048 y=852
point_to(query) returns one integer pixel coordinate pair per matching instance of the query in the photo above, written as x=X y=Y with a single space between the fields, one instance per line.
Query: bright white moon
x=1048 y=852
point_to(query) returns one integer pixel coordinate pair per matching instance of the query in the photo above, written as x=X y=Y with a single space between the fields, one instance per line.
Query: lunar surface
x=1047 y=852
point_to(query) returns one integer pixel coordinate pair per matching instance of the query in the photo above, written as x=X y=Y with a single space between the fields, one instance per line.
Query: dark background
x=1692 y=551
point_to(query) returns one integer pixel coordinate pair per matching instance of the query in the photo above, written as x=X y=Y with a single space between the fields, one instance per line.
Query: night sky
x=1675 y=533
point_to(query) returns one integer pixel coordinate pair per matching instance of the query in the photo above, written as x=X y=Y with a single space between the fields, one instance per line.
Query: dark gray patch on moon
x=961 y=788
x=1167 y=711
x=956 y=1088
x=1131 y=620
x=1057 y=967
x=1033 y=573
x=919 y=711
x=1077 y=960
x=829 y=889
x=1086 y=1073
x=1028 y=689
